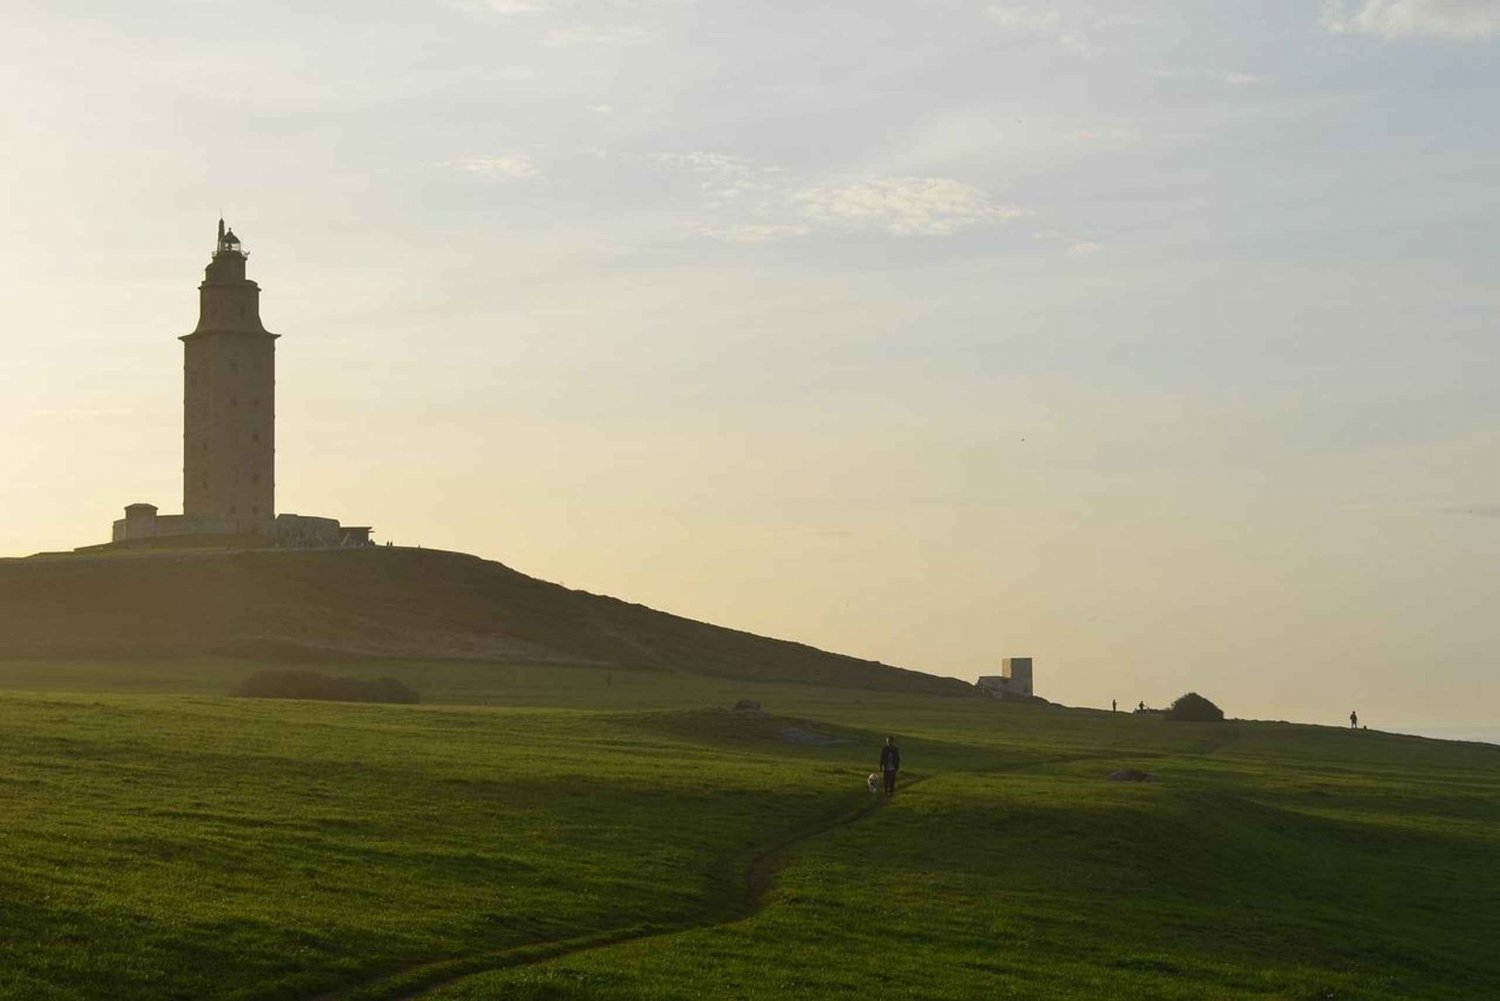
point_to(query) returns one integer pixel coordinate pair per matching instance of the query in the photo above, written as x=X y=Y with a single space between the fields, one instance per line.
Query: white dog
x=873 y=782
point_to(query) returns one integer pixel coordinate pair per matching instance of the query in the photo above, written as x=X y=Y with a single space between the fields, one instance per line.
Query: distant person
x=1114 y=706
x=1354 y=721
x=890 y=764
x=1142 y=706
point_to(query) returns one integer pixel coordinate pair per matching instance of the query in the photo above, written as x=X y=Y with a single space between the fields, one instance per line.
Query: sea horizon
x=1443 y=731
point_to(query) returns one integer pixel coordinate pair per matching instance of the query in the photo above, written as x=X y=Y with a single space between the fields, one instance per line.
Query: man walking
x=890 y=764
x=1354 y=721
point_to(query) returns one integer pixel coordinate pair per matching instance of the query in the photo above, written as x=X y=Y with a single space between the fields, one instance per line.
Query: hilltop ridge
x=379 y=602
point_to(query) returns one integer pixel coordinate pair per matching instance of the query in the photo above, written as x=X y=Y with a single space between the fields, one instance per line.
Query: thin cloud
x=718 y=170
x=723 y=178
x=1233 y=78
x=507 y=8
x=1048 y=24
x=904 y=206
x=1019 y=18
x=1451 y=20
x=603 y=36
x=756 y=232
x=516 y=166
x=504 y=7
x=757 y=203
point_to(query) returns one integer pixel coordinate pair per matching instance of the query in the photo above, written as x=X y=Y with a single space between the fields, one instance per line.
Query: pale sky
x=1155 y=341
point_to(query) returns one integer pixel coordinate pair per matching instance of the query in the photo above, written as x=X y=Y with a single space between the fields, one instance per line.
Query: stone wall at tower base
x=143 y=528
x=136 y=525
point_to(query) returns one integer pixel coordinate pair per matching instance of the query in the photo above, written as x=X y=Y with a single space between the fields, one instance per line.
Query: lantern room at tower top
x=229 y=429
x=228 y=241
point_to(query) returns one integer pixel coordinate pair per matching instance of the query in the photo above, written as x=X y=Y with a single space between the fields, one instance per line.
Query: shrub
x=1195 y=709
x=312 y=685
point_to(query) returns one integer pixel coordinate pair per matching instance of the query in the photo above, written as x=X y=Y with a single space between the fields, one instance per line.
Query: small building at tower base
x=1013 y=681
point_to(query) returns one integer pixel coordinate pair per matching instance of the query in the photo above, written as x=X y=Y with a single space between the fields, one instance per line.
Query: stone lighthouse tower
x=229 y=401
x=229 y=432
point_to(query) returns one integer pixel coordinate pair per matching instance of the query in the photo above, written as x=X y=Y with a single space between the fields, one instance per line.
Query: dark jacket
x=890 y=758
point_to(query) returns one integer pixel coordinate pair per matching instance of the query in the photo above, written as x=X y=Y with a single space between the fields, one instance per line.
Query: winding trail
x=416 y=982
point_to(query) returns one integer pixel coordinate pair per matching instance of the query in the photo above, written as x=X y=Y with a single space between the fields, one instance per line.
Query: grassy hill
x=572 y=813
x=377 y=602
x=637 y=841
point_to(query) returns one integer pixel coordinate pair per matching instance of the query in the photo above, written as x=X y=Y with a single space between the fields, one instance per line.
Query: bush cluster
x=1194 y=708
x=312 y=685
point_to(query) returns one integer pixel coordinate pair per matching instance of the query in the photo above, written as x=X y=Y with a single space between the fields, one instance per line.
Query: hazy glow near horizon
x=1157 y=344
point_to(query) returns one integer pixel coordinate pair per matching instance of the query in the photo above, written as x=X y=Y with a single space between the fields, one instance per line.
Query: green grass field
x=542 y=832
